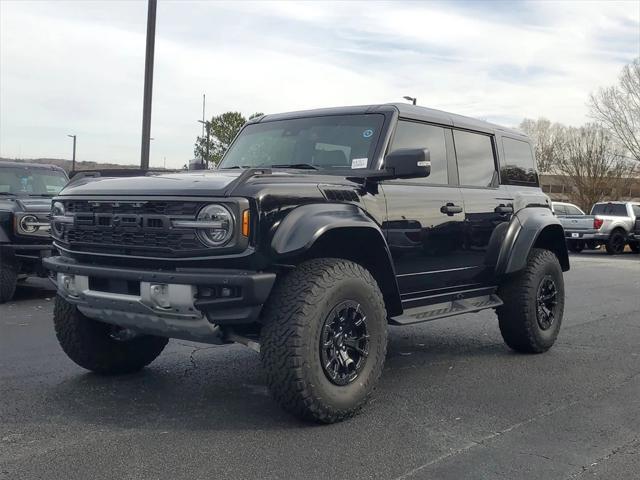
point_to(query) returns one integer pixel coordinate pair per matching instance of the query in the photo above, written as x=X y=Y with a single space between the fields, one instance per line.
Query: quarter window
x=476 y=162
x=519 y=165
x=421 y=135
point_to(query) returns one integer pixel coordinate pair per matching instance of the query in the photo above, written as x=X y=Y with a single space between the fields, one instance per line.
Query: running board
x=446 y=309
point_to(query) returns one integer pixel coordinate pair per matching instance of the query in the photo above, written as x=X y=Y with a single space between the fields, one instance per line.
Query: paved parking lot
x=453 y=402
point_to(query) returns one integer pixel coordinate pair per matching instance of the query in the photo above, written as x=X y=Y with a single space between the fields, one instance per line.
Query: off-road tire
x=518 y=316
x=616 y=243
x=290 y=349
x=576 y=246
x=89 y=343
x=8 y=280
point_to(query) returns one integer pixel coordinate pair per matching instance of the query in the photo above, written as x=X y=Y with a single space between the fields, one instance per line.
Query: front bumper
x=191 y=304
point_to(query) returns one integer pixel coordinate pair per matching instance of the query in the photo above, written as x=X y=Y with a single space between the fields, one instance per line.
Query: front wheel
x=100 y=347
x=324 y=339
x=8 y=280
x=531 y=314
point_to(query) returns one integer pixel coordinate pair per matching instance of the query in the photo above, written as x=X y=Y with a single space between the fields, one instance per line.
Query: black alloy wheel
x=547 y=301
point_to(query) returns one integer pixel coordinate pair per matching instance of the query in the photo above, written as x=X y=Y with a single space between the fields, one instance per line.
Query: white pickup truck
x=612 y=224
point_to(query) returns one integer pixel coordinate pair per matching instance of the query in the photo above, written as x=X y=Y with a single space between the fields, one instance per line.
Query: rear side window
x=420 y=135
x=571 y=210
x=519 y=165
x=559 y=209
x=476 y=163
x=613 y=209
x=636 y=210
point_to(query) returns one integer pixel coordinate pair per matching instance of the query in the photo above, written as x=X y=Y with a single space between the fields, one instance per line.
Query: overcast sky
x=78 y=67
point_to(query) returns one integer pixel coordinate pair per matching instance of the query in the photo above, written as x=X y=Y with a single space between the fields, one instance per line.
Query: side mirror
x=408 y=163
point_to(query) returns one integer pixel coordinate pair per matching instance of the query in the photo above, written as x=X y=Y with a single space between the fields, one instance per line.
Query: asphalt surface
x=453 y=402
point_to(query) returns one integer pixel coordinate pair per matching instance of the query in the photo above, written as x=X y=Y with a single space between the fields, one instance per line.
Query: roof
x=46 y=166
x=405 y=110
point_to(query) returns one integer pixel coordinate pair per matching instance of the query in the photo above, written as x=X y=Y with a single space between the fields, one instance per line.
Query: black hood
x=199 y=183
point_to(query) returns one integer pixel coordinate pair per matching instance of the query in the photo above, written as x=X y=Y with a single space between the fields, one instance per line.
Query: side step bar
x=446 y=309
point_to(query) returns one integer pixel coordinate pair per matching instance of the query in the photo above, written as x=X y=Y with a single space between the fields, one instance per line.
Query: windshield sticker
x=367 y=133
x=359 y=163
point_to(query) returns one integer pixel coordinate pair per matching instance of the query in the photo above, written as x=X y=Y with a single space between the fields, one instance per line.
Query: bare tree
x=592 y=166
x=618 y=108
x=548 y=139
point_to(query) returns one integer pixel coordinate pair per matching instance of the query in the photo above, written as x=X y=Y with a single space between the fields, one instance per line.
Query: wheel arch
x=534 y=227
x=338 y=231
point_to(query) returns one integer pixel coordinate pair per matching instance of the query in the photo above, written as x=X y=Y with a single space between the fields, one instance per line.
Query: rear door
x=425 y=217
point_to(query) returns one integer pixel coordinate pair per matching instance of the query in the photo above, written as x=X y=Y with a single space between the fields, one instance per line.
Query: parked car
x=614 y=222
x=318 y=229
x=26 y=190
x=576 y=225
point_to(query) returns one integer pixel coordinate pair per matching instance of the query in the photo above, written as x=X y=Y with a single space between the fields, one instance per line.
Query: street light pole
x=73 y=161
x=148 y=84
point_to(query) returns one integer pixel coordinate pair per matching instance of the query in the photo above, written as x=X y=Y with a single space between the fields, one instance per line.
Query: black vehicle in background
x=26 y=190
x=318 y=229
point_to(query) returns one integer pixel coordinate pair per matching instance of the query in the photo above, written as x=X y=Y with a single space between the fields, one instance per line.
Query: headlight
x=29 y=224
x=216 y=225
x=57 y=211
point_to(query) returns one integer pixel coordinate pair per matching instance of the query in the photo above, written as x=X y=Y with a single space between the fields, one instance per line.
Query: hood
x=196 y=183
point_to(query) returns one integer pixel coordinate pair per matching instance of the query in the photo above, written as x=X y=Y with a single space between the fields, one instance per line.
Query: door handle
x=450 y=209
x=503 y=209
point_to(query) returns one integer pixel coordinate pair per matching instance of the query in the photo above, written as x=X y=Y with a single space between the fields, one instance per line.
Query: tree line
x=598 y=160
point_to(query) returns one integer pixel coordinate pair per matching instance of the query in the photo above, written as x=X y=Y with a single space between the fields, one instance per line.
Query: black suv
x=317 y=229
x=26 y=190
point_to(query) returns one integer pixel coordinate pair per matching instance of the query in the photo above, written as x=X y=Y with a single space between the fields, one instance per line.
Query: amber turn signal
x=245 y=223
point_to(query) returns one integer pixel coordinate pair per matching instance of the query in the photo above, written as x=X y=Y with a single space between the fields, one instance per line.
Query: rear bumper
x=585 y=235
x=190 y=304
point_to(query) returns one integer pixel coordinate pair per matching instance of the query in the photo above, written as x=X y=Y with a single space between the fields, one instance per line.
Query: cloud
x=77 y=67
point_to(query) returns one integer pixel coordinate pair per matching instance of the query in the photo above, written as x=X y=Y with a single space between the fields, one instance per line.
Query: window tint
x=518 y=165
x=613 y=209
x=474 y=152
x=420 y=135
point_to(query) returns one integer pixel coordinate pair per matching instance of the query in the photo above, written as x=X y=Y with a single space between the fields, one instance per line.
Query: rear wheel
x=324 y=339
x=531 y=315
x=100 y=347
x=616 y=243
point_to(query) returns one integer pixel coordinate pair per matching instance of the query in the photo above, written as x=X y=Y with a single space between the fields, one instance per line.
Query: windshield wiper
x=301 y=166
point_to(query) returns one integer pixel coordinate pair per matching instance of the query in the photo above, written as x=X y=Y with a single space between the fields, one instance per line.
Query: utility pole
x=148 y=84
x=73 y=161
x=205 y=125
x=203 y=119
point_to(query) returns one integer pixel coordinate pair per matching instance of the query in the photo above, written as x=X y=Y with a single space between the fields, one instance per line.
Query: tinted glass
x=474 y=152
x=26 y=181
x=613 y=209
x=341 y=141
x=518 y=165
x=420 y=135
x=636 y=210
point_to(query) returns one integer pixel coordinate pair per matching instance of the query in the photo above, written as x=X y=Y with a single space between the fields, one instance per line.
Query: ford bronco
x=317 y=230
x=26 y=190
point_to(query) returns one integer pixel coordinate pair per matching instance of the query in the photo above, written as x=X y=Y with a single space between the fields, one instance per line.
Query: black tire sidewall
x=344 y=397
x=545 y=338
x=611 y=244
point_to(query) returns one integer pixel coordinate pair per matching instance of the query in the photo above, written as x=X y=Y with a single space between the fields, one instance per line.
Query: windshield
x=332 y=142
x=27 y=181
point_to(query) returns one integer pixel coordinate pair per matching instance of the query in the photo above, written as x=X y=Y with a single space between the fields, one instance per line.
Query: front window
x=331 y=142
x=30 y=181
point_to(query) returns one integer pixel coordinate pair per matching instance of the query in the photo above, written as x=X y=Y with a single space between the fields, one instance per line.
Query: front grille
x=128 y=227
